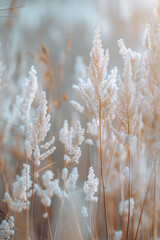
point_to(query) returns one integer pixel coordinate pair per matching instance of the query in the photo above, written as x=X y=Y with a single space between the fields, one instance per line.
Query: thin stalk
x=91 y=221
x=90 y=218
x=76 y=218
x=155 y=205
x=44 y=168
x=98 y=211
x=145 y=200
x=110 y=160
x=32 y=200
x=49 y=225
x=59 y=217
x=4 y=186
x=123 y=221
x=129 y=165
x=42 y=228
x=89 y=136
x=27 y=202
x=62 y=202
x=89 y=230
x=101 y=161
x=99 y=195
x=129 y=193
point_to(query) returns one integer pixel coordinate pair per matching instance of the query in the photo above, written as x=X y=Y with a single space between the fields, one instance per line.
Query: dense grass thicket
x=80 y=120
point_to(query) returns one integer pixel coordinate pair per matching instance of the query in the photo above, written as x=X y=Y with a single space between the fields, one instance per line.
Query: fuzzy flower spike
x=91 y=186
x=99 y=88
x=37 y=132
x=29 y=90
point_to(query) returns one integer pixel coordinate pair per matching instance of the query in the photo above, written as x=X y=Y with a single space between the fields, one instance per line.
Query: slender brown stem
x=28 y=233
x=49 y=225
x=62 y=202
x=110 y=160
x=155 y=205
x=129 y=193
x=42 y=228
x=101 y=161
x=76 y=218
x=98 y=211
x=99 y=195
x=89 y=136
x=90 y=218
x=4 y=186
x=32 y=200
x=129 y=165
x=123 y=221
x=144 y=200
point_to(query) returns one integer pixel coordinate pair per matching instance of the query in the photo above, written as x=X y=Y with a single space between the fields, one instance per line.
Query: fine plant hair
x=92 y=173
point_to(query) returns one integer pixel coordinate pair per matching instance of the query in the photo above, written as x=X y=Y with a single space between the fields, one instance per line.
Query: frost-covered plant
x=92 y=128
x=123 y=138
x=151 y=56
x=127 y=105
x=99 y=91
x=6 y=228
x=72 y=138
x=21 y=191
x=36 y=129
x=151 y=78
x=51 y=188
x=91 y=186
x=29 y=90
x=36 y=133
x=77 y=106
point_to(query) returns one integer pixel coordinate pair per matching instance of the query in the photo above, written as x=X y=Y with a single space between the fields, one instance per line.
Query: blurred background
x=26 y=25
x=56 y=36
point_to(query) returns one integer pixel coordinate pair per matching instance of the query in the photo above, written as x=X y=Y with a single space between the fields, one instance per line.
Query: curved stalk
x=101 y=161
x=145 y=200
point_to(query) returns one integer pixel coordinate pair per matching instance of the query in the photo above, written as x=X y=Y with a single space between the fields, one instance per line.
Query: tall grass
x=81 y=163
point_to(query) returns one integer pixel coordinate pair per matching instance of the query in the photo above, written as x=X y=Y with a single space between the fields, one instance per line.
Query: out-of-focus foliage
x=100 y=174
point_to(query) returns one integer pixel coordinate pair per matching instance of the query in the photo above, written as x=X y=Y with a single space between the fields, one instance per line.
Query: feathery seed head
x=91 y=186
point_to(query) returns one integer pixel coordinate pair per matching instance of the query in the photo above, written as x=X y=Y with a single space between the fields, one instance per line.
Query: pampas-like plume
x=151 y=57
x=37 y=131
x=21 y=191
x=6 y=229
x=51 y=187
x=97 y=87
x=91 y=186
x=127 y=106
x=151 y=75
x=29 y=89
x=72 y=139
